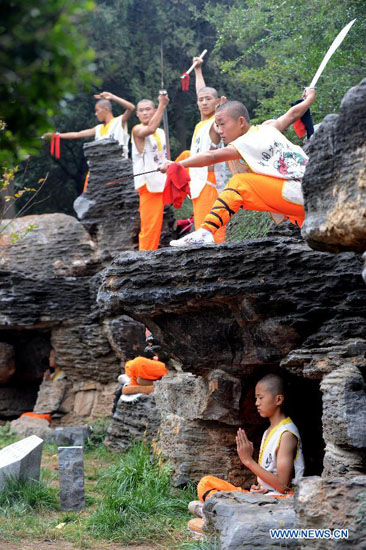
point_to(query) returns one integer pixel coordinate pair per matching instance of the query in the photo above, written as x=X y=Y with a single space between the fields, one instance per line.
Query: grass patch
x=98 y=433
x=248 y=224
x=7 y=435
x=129 y=499
x=27 y=495
x=139 y=503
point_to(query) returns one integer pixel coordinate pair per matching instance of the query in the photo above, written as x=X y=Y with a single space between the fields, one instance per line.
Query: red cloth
x=177 y=185
x=299 y=128
x=185 y=82
x=55 y=146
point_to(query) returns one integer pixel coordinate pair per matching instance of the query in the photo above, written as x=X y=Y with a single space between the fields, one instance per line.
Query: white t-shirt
x=153 y=155
x=117 y=130
x=201 y=142
x=269 y=448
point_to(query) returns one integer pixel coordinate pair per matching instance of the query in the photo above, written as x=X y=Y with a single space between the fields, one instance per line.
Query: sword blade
x=166 y=130
x=165 y=114
x=129 y=176
x=336 y=42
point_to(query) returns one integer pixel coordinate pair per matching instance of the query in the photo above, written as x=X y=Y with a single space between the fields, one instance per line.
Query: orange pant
x=141 y=367
x=209 y=485
x=86 y=182
x=252 y=192
x=151 y=218
x=203 y=204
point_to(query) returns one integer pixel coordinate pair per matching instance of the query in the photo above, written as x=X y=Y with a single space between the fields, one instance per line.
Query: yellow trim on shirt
x=155 y=135
x=199 y=126
x=105 y=128
x=267 y=439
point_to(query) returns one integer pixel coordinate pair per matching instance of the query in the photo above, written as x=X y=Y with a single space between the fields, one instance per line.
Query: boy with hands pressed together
x=280 y=460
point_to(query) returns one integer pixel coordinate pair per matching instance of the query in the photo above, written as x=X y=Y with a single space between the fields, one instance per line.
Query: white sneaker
x=124 y=379
x=195 y=508
x=197 y=238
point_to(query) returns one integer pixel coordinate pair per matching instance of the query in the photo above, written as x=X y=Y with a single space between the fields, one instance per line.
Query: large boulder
x=335 y=179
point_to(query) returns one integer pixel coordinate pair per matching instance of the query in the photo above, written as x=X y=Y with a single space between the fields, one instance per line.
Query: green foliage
x=7 y=435
x=98 y=433
x=43 y=57
x=279 y=46
x=21 y=497
x=139 y=504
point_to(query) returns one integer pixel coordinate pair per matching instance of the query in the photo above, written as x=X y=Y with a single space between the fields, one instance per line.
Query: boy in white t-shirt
x=109 y=126
x=267 y=168
x=280 y=460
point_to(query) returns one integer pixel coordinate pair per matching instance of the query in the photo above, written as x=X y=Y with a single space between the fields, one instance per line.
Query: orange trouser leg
x=202 y=206
x=130 y=370
x=86 y=182
x=152 y=370
x=142 y=367
x=252 y=192
x=209 y=485
x=151 y=218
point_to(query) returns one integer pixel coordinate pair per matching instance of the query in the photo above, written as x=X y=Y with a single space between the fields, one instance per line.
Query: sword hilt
x=163 y=92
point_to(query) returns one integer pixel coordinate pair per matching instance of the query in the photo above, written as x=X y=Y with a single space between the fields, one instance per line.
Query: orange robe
x=148 y=369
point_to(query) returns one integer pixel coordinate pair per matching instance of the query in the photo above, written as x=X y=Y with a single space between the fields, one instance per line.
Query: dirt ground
x=62 y=545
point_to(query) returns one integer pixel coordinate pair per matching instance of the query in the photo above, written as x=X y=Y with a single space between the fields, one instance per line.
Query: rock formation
x=229 y=314
x=225 y=315
x=335 y=179
x=48 y=299
x=135 y=420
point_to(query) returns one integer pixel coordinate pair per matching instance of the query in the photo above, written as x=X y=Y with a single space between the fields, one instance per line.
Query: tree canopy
x=43 y=58
x=279 y=46
x=259 y=51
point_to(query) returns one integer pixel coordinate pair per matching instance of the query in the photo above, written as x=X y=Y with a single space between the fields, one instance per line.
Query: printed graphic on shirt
x=269 y=461
x=285 y=160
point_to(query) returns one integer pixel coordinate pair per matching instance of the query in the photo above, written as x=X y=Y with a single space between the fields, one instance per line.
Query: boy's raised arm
x=296 y=112
x=130 y=107
x=200 y=81
x=141 y=131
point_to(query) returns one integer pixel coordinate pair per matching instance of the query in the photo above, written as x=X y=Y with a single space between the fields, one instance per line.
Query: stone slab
x=21 y=460
x=71 y=472
x=243 y=520
x=72 y=435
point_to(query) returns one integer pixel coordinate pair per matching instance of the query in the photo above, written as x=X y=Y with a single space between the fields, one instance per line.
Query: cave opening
x=303 y=404
x=24 y=357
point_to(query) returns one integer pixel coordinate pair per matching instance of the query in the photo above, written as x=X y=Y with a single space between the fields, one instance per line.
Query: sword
x=130 y=176
x=201 y=56
x=336 y=42
x=165 y=114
